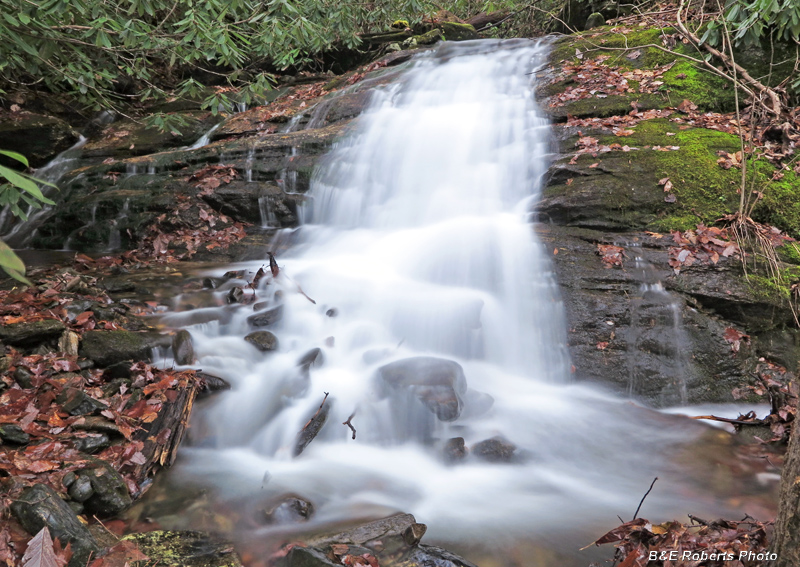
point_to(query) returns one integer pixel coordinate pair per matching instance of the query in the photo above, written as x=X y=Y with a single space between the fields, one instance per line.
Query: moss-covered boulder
x=183 y=549
x=110 y=347
x=31 y=333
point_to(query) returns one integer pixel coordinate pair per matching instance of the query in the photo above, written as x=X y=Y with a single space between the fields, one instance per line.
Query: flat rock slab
x=183 y=549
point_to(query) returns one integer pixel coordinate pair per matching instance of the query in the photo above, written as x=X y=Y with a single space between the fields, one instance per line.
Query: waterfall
x=417 y=244
x=19 y=234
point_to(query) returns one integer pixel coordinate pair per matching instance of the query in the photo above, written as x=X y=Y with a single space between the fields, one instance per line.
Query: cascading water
x=416 y=244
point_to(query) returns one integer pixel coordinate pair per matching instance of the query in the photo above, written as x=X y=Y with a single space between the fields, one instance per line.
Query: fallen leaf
x=40 y=551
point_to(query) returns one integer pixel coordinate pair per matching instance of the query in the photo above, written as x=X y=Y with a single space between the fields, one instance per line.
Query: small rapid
x=416 y=242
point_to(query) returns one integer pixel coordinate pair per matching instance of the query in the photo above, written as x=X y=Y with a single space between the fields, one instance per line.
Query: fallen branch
x=349 y=424
x=729 y=420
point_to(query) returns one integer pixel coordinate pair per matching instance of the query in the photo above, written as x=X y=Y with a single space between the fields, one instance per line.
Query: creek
x=416 y=241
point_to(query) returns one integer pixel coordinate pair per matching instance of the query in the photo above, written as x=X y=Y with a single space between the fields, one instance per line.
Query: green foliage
x=96 y=49
x=18 y=186
x=752 y=21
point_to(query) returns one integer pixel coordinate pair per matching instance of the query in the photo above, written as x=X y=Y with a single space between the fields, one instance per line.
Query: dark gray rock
x=436 y=382
x=40 y=506
x=80 y=490
x=91 y=444
x=183 y=348
x=211 y=383
x=312 y=428
x=267 y=317
x=262 y=340
x=23 y=377
x=78 y=402
x=289 y=509
x=308 y=557
x=36 y=136
x=110 y=347
x=110 y=495
x=31 y=334
x=313 y=357
x=495 y=450
x=13 y=434
x=454 y=450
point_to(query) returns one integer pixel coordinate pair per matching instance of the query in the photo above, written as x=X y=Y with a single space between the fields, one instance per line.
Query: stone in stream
x=267 y=317
x=31 y=334
x=210 y=384
x=312 y=428
x=454 y=450
x=262 y=340
x=495 y=450
x=289 y=509
x=40 y=506
x=183 y=348
x=313 y=357
x=436 y=382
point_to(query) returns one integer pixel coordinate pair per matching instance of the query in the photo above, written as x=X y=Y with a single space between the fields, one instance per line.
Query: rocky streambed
x=88 y=420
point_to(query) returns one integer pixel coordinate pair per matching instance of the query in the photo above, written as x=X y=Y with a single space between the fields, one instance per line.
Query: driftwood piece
x=483 y=19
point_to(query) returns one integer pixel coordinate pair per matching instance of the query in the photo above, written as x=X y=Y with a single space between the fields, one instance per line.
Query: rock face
x=436 y=382
x=38 y=137
x=640 y=327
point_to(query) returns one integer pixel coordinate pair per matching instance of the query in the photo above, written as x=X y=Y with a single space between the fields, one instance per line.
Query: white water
x=418 y=236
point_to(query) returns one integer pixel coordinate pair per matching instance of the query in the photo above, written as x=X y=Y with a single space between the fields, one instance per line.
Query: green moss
x=772 y=289
x=780 y=205
x=704 y=191
x=685 y=80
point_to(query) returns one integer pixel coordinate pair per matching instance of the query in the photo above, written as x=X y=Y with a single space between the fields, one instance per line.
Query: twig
x=699 y=520
x=350 y=425
x=635 y=514
x=511 y=15
x=317 y=412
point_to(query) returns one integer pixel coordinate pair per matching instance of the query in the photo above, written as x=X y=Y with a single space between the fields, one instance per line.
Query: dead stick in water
x=350 y=425
x=643 y=497
x=729 y=420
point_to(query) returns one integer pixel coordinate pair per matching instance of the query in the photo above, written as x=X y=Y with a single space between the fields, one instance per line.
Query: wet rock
x=31 y=334
x=454 y=450
x=13 y=434
x=118 y=370
x=332 y=312
x=68 y=343
x=36 y=136
x=40 y=506
x=23 y=377
x=495 y=450
x=80 y=490
x=313 y=357
x=312 y=427
x=476 y=403
x=394 y=525
x=308 y=557
x=430 y=555
x=211 y=383
x=110 y=492
x=290 y=509
x=438 y=383
x=91 y=444
x=78 y=402
x=183 y=348
x=262 y=340
x=115 y=386
x=109 y=347
x=184 y=549
x=456 y=31
x=267 y=317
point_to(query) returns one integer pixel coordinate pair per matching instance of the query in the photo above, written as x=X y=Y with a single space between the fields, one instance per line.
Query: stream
x=418 y=248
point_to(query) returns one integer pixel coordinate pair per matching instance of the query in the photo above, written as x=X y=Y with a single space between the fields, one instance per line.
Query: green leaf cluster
x=92 y=48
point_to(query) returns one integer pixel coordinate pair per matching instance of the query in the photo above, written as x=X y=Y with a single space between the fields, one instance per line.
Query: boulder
x=262 y=340
x=36 y=136
x=13 y=434
x=109 y=347
x=495 y=450
x=40 y=506
x=183 y=348
x=267 y=317
x=289 y=509
x=31 y=334
x=436 y=382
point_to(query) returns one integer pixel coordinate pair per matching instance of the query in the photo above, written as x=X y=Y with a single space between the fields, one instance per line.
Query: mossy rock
x=455 y=31
x=109 y=347
x=183 y=549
